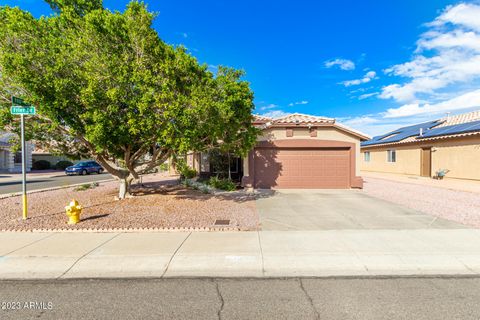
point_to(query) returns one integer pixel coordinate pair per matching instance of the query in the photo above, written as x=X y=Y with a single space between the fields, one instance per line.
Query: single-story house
x=11 y=161
x=450 y=144
x=39 y=154
x=296 y=151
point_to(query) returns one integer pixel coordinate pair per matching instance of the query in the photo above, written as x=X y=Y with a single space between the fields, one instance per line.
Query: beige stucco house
x=11 y=161
x=451 y=143
x=296 y=151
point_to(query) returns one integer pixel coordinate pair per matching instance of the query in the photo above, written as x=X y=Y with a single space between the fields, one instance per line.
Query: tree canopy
x=107 y=87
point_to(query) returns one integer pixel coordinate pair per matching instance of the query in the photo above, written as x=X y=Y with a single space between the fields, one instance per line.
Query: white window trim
x=391 y=151
x=365 y=156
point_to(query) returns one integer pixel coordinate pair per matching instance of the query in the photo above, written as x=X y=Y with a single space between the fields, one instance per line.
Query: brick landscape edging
x=126 y=230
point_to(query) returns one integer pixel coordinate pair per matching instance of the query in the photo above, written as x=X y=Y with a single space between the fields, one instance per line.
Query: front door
x=426 y=170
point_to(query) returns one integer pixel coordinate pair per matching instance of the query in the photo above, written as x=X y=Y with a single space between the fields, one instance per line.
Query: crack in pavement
x=261 y=253
x=86 y=254
x=27 y=245
x=309 y=298
x=222 y=301
x=174 y=253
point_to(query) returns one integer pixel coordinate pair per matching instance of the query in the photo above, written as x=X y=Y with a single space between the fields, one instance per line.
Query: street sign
x=19 y=102
x=22 y=110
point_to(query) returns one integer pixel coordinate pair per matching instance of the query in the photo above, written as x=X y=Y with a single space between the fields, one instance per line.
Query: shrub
x=222 y=184
x=86 y=186
x=41 y=165
x=63 y=164
x=185 y=171
x=164 y=167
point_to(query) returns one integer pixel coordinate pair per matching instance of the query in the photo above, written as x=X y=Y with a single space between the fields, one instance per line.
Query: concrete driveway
x=339 y=210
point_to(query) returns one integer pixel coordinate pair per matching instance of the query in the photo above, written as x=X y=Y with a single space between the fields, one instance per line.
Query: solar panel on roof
x=453 y=129
x=402 y=133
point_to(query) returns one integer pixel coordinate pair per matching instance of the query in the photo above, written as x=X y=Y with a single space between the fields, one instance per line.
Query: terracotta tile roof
x=459 y=119
x=302 y=118
x=260 y=118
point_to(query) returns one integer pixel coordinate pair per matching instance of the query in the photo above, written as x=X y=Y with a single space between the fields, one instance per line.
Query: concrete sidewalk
x=240 y=254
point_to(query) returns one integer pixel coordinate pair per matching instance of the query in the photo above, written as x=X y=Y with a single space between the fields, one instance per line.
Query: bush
x=164 y=167
x=41 y=165
x=185 y=171
x=63 y=164
x=222 y=184
x=86 y=186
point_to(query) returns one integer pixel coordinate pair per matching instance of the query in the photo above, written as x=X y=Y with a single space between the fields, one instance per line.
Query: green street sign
x=22 y=110
x=19 y=106
x=19 y=102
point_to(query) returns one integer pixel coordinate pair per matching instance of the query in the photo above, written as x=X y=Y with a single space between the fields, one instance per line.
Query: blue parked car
x=83 y=168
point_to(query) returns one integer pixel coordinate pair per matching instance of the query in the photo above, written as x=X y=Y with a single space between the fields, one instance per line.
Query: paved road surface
x=401 y=298
x=35 y=183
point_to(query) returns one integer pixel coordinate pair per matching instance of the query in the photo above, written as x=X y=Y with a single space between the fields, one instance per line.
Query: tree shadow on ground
x=175 y=188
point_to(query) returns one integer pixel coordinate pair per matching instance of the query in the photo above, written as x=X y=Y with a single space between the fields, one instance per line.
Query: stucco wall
x=460 y=156
x=408 y=161
x=323 y=133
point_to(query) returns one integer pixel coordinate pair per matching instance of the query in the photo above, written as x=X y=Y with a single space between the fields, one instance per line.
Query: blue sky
x=374 y=65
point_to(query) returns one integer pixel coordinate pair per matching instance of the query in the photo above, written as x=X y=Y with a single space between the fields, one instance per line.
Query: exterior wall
x=303 y=134
x=460 y=156
x=8 y=164
x=408 y=160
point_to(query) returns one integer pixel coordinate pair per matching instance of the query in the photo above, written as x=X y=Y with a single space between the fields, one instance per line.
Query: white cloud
x=275 y=114
x=343 y=64
x=268 y=107
x=367 y=95
x=447 y=55
x=465 y=101
x=462 y=14
x=185 y=35
x=297 y=103
x=366 y=78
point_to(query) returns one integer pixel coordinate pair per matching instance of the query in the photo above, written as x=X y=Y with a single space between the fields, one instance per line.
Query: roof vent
x=421 y=132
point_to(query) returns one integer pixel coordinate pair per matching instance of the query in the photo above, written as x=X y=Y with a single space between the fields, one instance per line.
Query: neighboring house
x=11 y=161
x=40 y=154
x=296 y=151
x=451 y=143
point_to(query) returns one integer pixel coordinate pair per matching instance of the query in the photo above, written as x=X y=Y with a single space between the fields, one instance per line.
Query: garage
x=302 y=168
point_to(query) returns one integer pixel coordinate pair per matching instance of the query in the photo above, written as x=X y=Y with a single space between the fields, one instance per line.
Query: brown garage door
x=302 y=168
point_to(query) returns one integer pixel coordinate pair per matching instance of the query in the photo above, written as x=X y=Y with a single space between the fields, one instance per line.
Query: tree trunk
x=124 y=189
x=229 y=171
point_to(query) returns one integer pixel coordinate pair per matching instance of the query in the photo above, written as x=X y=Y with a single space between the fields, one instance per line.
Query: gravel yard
x=458 y=206
x=161 y=203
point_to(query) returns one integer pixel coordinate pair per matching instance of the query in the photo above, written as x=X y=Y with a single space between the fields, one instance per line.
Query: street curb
x=209 y=278
x=16 y=194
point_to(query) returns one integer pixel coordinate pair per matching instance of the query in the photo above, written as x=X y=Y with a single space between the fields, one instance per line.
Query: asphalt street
x=35 y=183
x=389 y=298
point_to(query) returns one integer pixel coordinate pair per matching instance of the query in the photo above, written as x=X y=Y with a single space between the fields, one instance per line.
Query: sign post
x=20 y=107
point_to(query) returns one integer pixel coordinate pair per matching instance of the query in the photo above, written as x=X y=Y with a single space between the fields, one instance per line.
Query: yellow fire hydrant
x=73 y=211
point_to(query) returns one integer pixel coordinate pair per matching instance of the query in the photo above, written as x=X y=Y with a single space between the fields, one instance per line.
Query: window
x=391 y=155
x=17 y=158
x=366 y=156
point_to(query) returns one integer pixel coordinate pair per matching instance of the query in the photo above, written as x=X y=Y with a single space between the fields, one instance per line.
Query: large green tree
x=106 y=86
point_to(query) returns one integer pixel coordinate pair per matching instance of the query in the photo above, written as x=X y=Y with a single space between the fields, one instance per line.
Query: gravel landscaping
x=458 y=206
x=160 y=203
